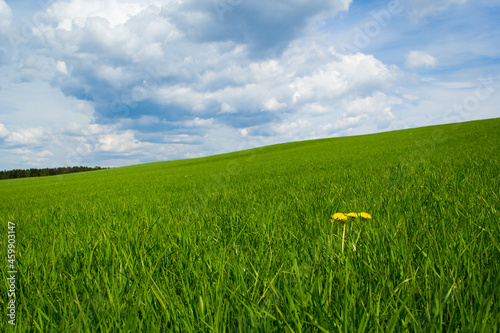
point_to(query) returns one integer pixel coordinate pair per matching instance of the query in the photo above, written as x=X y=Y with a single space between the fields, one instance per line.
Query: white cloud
x=36 y=159
x=226 y=108
x=315 y=109
x=289 y=127
x=378 y=103
x=75 y=12
x=115 y=76
x=432 y=7
x=44 y=154
x=197 y=122
x=46 y=106
x=375 y=109
x=20 y=151
x=38 y=67
x=3 y=131
x=25 y=136
x=85 y=129
x=302 y=82
x=273 y=105
x=417 y=59
x=346 y=123
x=91 y=38
x=353 y=72
x=61 y=67
x=5 y=14
x=124 y=143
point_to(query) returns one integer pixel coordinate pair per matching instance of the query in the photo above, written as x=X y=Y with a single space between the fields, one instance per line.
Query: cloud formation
x=5 y=15
x=122 y=82
x=416 y=59
x=3 y=131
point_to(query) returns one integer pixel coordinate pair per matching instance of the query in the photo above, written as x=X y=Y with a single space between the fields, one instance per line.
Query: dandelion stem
x=343 y=236
x=331 y=235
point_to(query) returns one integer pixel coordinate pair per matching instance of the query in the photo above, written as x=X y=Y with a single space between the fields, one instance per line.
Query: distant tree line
x=24 y=173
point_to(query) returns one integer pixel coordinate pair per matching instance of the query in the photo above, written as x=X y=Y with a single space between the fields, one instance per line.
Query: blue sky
x=115 y=83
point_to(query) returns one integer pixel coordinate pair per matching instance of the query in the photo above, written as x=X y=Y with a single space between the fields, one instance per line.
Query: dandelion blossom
x=365 y=215
x=353 y=215
x=339 y=216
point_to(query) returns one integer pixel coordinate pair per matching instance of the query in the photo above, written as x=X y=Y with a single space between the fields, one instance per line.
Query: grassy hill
x=244 y=241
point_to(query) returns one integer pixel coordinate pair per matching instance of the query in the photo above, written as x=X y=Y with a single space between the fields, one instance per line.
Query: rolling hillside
x=246 y=242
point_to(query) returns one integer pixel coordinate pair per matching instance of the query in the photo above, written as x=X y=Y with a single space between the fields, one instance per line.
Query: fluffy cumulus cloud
x=121 y=82
x=416 y=59
x=26 y=136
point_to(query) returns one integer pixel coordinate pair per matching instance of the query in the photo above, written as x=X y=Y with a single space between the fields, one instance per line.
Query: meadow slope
x=243 y=242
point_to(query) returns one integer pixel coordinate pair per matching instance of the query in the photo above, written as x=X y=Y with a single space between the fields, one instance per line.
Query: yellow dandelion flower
x=339 y=217
x=353 y=215
x=365 y=215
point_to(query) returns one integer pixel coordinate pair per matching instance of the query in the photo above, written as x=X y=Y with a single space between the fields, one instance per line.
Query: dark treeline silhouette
x=21 y=173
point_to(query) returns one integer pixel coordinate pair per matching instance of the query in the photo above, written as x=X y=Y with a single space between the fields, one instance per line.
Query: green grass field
x=243 y=242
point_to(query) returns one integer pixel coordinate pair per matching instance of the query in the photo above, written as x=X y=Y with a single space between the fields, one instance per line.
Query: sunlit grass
x=247 y=241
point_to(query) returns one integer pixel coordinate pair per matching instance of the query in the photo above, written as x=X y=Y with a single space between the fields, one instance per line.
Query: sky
x=114 y=83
